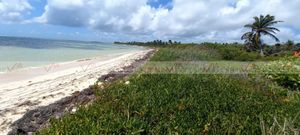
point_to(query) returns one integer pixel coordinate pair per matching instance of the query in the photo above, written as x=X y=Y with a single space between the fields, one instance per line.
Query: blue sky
x=160 y=3
x=39 y=8
x=126 y=20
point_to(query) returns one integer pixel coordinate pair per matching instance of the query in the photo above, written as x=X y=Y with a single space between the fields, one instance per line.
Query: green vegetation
x=285 y=72
x=186 y=53
x=189 y=103
x=235 y=52
x=283 y=49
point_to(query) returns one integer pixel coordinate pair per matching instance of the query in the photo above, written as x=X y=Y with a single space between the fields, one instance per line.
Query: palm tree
x=249 y=41
x=170 y=42
x=263 y=25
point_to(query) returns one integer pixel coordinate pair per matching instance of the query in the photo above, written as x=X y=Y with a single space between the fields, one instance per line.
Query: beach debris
x=73 y=110
x=27 y=103
x=109 y=79
x=127 y=82
x=76 y=93
x=100 y=83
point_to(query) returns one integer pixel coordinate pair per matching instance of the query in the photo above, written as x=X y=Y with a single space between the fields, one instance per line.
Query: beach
x=30 y=88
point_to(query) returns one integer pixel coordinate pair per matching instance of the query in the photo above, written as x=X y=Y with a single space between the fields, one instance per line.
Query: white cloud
x=13 y=10
x=106 y=15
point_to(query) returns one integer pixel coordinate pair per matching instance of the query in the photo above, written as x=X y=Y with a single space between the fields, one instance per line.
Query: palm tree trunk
x=261 y=52
x=260 y=45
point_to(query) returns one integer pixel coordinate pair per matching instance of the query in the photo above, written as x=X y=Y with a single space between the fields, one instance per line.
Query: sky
x=144 y=20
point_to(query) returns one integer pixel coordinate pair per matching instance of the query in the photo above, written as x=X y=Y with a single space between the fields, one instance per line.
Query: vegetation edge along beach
x=170 y=103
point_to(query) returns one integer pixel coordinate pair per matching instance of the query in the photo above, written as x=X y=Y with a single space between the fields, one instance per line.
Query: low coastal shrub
x=170 y=104
x=186 y=53
x=237 y=54
x=285 y=72
x=184 y=103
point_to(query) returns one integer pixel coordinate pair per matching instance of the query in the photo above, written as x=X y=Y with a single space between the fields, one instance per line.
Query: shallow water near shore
x=19 y=53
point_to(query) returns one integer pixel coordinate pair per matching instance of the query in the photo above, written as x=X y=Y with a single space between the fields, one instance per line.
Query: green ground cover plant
x=285 y=72
x=186 y=103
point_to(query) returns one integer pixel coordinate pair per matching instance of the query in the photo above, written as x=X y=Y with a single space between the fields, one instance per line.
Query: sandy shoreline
x=46 y=85
x=31 y=73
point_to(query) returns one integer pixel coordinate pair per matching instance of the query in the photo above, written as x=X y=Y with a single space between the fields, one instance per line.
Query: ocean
x=17 y=53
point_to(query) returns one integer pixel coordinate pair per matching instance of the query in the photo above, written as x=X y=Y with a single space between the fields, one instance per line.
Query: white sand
x=30 y=88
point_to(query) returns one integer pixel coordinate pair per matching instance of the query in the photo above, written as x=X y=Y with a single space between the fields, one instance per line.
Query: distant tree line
x=279 y=49
x=289 y=46
x=155 y=42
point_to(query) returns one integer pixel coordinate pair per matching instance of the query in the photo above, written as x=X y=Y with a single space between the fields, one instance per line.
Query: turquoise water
x=16 y=53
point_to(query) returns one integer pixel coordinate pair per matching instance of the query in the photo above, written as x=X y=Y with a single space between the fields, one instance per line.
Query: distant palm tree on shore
x=263 y=25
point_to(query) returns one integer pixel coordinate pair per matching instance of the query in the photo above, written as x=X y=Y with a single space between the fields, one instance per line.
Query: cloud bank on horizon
x=187 y=20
